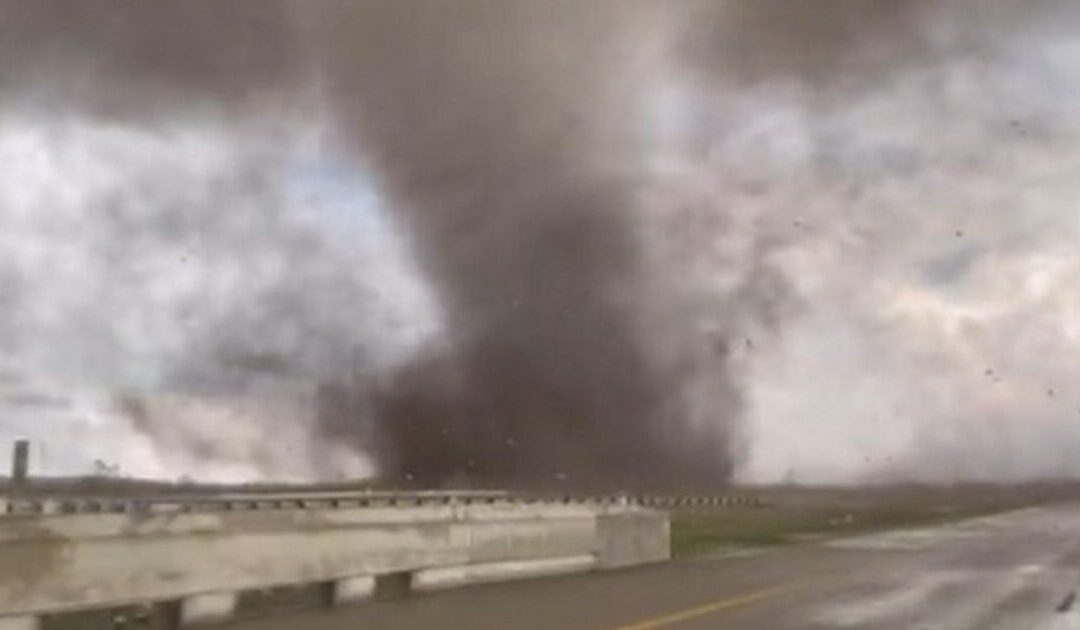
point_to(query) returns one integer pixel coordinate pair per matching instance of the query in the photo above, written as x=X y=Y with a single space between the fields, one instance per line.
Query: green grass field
x=792 y=515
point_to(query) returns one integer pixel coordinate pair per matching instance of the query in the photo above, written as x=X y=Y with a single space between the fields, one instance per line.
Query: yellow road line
x=707 y=609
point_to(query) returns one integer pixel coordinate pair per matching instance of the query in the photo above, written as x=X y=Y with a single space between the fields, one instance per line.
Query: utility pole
x=20 y=464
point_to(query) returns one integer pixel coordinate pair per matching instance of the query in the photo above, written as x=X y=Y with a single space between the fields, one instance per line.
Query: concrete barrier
x=25 y=622
x=207 y=608
x=448 y=577
x=627 y=538
x=54 y=560
x=353 y=589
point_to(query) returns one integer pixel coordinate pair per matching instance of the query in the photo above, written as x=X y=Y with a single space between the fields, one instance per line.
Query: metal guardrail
x=12 y=506
x=702 y=501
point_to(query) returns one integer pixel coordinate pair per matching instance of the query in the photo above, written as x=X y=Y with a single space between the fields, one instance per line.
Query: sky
x=102 y=308
x=841 y=246
x=921 y=214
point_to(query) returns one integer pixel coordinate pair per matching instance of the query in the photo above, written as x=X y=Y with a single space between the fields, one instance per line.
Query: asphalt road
x=1016 y=570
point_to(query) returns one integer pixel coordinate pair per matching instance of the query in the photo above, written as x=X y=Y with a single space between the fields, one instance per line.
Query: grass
x=795 y=517
x=695 y=534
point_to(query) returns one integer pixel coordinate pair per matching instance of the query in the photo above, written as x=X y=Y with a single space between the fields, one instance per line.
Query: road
x=1014 y=570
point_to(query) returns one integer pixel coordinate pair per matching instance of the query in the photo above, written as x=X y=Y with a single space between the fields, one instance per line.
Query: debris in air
x=1067 y=603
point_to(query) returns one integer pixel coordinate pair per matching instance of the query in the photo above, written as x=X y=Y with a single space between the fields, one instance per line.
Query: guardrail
x=340 y=500
x=701 y=501
x=239 y=502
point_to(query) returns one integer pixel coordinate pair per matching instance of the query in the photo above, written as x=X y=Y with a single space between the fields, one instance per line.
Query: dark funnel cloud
x=512 y=141
x=506 y=135
x=505 y=138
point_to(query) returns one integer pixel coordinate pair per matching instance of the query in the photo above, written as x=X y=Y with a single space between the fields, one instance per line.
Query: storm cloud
x=552 y=243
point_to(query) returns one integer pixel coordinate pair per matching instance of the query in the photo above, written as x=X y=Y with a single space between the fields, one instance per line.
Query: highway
x=1014 y=570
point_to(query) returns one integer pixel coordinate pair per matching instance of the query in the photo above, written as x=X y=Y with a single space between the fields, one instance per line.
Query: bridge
x=193 y=556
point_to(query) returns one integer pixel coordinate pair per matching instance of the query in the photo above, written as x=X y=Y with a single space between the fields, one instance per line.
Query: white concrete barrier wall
x=448 y=577
x=354 y=589
x=57 y=562
x=207 y=608
x=627 y=538
x=25 y=622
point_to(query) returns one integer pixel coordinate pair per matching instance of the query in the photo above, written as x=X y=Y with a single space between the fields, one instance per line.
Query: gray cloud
x=956 y=162
x=614 y=242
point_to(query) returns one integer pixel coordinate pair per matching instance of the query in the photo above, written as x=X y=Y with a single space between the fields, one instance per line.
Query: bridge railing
x=347 y=500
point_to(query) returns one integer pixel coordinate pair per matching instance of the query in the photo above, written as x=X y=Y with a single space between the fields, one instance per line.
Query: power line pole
x=20 y=464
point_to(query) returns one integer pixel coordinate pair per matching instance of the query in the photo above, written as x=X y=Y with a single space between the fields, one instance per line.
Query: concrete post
x=352 y=590
x=207 y=608
x=20 y=463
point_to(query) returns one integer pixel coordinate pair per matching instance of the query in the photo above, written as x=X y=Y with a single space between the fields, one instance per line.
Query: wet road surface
x=1014 y=570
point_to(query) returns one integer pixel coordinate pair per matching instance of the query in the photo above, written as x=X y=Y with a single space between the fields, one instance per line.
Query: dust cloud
x=548 y=243
x=905 y=167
